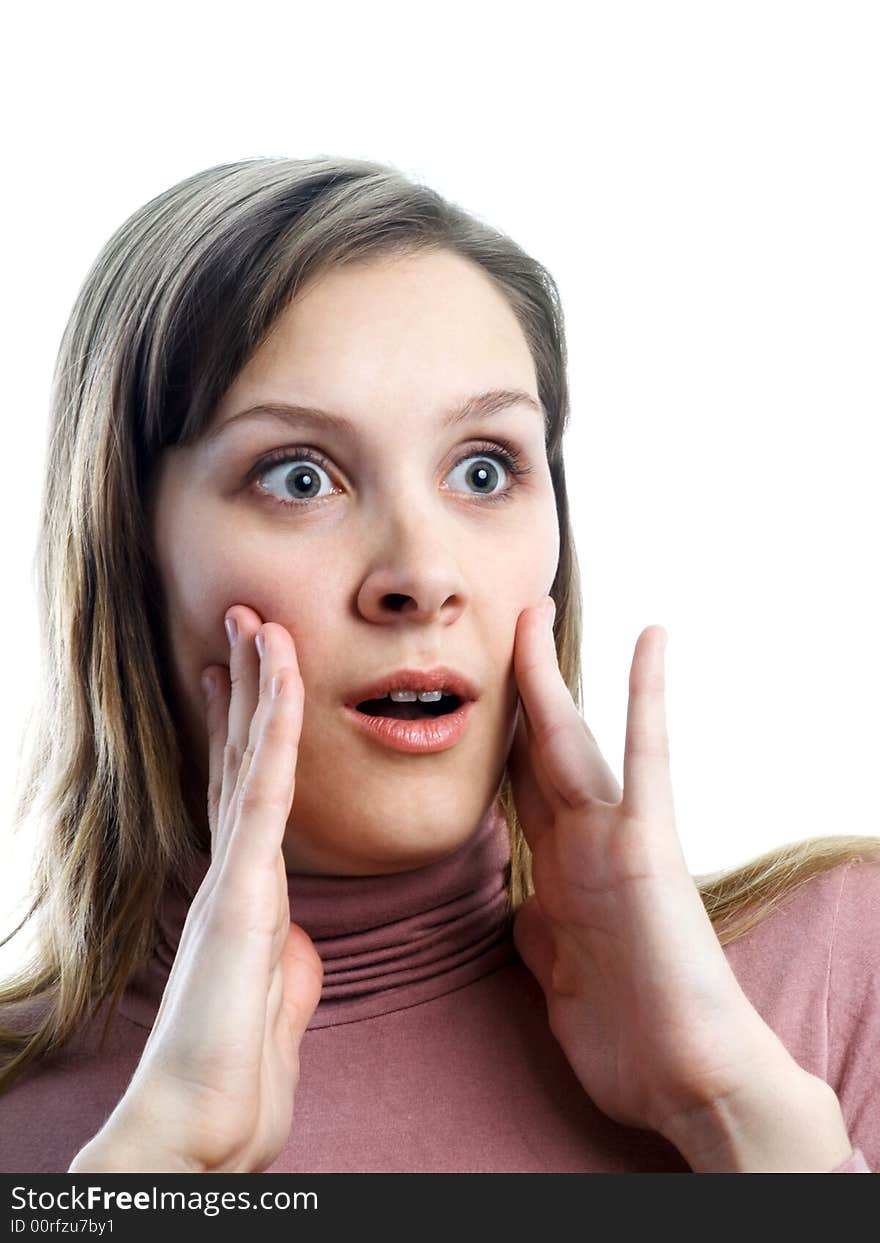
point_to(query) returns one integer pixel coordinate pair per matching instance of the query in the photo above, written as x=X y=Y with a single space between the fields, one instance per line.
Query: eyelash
x=510 y=458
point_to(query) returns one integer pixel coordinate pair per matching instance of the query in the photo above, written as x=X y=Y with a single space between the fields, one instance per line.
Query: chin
x=390 y=839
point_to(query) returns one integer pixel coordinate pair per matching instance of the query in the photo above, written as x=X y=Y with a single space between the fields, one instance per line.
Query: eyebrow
x=493 y=401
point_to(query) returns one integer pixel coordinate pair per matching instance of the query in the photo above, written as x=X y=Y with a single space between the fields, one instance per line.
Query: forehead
x=391 y=332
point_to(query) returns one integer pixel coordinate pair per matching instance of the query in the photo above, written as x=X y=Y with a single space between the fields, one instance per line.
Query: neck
x=387 y=941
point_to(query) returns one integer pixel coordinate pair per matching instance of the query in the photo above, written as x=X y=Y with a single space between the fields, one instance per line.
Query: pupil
x=301 y=473
x=482 y=473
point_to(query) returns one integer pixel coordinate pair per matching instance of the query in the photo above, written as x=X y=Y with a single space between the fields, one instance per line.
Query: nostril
x=396 y=602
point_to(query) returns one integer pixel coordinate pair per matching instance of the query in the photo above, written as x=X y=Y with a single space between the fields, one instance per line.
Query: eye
x=483 y=472
x=298 y=474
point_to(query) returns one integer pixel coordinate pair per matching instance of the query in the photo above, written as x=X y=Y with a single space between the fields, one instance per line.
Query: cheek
x=515 y=579
x=527 y=567
x=210 y=565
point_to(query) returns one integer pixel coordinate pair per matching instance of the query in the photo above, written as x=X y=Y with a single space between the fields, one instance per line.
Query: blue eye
x=301 y=479
x=483 y=474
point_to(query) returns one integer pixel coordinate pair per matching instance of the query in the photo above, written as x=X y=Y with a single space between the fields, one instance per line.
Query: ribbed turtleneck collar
x=386 y=941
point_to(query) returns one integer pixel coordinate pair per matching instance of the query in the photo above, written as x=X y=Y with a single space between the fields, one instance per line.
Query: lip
x=437 y=679
x=432 y=733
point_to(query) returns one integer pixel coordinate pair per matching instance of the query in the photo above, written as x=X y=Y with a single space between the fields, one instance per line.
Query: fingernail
x=231 y=629
x=207 y=685
x=549 y=607
x=258 y=639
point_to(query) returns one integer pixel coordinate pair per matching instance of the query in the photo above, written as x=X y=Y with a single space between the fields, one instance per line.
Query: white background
x=702 y=181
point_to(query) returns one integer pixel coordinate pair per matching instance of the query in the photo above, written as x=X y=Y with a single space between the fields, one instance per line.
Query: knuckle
x=294 y=690
x=247 y=755
x=649 y=684
x=648 y=744
x=213 y=798
x=256 y=799
x=577 y=796
x=276 y=727
x=546 y=733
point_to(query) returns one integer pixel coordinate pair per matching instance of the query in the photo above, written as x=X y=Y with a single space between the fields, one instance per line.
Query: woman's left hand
x=639 y=992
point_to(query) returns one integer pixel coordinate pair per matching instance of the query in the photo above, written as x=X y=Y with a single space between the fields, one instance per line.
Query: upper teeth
x=408 y=697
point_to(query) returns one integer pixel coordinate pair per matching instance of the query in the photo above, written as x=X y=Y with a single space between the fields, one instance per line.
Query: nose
x=421 y=597
x=417 y=577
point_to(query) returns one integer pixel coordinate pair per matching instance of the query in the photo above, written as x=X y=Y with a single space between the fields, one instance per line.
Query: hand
x=215 y=1085
x=639 y=993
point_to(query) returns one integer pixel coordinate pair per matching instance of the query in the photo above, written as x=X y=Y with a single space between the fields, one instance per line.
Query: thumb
x=534 y=942
x=303 y=973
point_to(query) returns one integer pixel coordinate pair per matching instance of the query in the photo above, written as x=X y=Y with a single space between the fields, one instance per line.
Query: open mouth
x=415 y=711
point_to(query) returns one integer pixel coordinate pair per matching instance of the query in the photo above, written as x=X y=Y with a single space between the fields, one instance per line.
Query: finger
x=265 y=794
x=647 y=784
x=244 y=675
x=575 y=768
x=528 y=782
x=215 y=683
x=534 y=941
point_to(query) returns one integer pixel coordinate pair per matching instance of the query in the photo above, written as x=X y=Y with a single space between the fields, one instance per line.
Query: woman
x=306 y=441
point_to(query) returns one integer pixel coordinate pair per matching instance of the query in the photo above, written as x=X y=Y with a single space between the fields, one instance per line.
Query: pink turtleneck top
x=430 y=1050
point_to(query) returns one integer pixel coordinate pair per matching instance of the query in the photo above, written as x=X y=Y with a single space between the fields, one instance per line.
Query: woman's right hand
x=214 y=1087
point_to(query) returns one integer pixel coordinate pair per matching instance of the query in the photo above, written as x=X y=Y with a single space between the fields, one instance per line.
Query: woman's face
x=402 y=560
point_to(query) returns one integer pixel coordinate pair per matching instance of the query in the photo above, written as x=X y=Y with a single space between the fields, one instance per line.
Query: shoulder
x=858 y=907
x=24 y=1016
x=797 y=961
x=854 y=977
x=843 y=898
x=803 y=922
x=813 y=964
x=853 y=1016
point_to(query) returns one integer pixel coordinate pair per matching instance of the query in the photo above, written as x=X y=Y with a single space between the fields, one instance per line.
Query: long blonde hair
x=171 y=310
